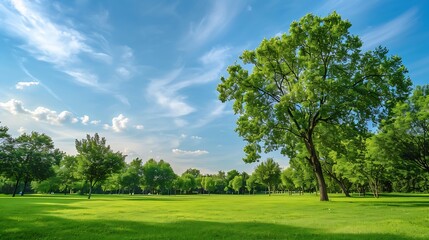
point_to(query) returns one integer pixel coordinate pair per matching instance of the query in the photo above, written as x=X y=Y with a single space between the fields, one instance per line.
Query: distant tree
x=406 y=136
x=314 y=75
x=96 y=161
x=133 y=176
x=268 y=174
x=68 y=173
x=209 y=184
x=237 y=183
x=229 y=176
x=220 y=182
x=251 y=183
x=287 y=179
x=158 y=175
x=6 y=149
x=165 y=177
x=31 y=157
x=188 y=182
x=193 y=171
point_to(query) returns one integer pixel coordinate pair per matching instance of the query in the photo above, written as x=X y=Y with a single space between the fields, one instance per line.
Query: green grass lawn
x=213 y=217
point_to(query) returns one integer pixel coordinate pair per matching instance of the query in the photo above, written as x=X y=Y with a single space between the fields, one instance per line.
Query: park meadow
x=203 y=216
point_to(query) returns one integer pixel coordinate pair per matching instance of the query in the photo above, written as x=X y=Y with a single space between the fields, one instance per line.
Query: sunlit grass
x=213 y=217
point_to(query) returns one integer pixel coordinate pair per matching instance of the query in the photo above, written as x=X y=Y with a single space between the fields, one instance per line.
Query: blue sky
x=144 y=73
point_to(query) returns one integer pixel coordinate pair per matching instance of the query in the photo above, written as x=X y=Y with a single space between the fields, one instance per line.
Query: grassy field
x=213 y=217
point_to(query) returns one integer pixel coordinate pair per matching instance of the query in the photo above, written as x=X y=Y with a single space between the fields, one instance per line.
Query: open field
x=213 y=217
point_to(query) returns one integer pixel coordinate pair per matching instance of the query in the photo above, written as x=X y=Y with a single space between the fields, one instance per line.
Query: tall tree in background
x=133 y=176
x=96 y=161
x=313 y=76
x=268 y=174
x=32 y=158
x=6 y=147
x=407 y=135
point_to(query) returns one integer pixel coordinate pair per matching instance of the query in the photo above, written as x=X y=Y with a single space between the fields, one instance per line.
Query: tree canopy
x=96 y=161
x=313 y=76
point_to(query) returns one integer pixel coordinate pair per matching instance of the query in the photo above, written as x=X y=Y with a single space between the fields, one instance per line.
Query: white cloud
x=123 y=72
x=390 y=30
x=95 y=122
x=50 y=116
x=84 y=77
x=46 y=40
x=22 y=85
x=38 y=81
x=167 y=97
x=345 y=7
x=14 y=106
x=196 y=137
x=119 y=123
x=189 y=153
x=40 y=113
x=215 y=22
x=216 y=55
x=58 y=44
x=180 y=122
x=165 y=89
x=21 y=130
x=218 y=111
x=139 y=127
x=85 y=119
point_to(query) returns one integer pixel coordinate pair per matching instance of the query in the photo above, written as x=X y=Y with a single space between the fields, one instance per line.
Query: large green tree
x=406 y=136
x=268 y=174
x=31 y=157
x=133 y=175
x=96 y=161
x=314 y=75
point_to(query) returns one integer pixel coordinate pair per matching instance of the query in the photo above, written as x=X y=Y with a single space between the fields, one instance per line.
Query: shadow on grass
x=60 y=228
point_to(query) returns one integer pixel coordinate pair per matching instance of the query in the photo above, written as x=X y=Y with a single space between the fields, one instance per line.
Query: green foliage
x=28 y=157
x=313 y=76
x=96 y=161
x=268 y=174
x=209 y=183
x=406 y=136
x=158 y=175
x=237 y=183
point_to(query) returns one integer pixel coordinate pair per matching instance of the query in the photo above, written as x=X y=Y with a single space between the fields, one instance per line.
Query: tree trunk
x=344 y=189
x=320 y=179
x=15 y=188
x=90 y=190
x=25 y=186
x=317 y=167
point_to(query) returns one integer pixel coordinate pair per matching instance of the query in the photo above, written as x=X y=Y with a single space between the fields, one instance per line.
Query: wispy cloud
x=40 y=113
x=345 y=7
x=218 y=111
x=139 y=127
x=189 y=153
x=167 y=97
x=46 y=40
x=59 y=44
x=391 y=29
x=22 y=85
x=221 y=14
x=166 y=89
x=119 y=123
x=196 y=137
x=24 y=69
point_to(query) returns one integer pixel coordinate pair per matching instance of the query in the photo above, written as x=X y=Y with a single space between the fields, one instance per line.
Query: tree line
x=393 y=159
